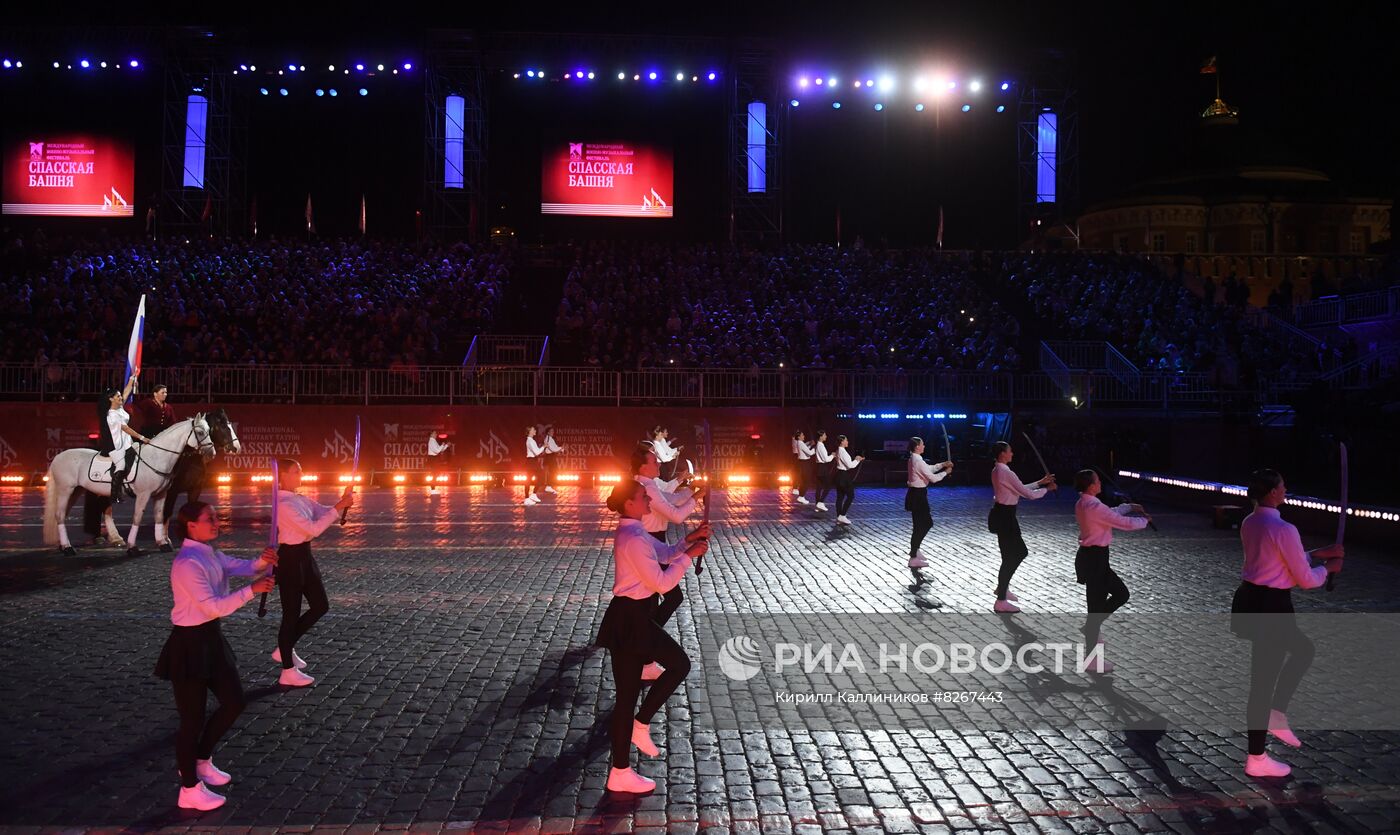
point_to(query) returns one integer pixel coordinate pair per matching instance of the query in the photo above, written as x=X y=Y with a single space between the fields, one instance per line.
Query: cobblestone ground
x=457 y=687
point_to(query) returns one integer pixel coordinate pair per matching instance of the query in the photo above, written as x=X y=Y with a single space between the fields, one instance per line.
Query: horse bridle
x=204 y=442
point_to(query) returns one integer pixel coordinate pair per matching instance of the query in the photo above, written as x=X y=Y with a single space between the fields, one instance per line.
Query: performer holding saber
x=272 y=543
x=300 y=520
x=1007 y=492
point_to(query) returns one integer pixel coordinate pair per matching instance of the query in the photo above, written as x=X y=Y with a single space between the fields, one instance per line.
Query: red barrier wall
x=396 y=437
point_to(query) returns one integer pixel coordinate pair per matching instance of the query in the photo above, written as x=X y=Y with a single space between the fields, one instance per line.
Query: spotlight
x=919 y=108
x=243 y=67
x=879 y=106
x=281 y=72
x=831 y=82
x=7 y=63
x=819 y=81
x=857 y=82
x=408 y=66
x=364 y=92
x=320 y=92
x=360 y=67
x=869 y=82
x=622 y=76
x=651 y=76
x=1006 y=85
x=836 y=105
x=83 y=63
x=802 y=82
x=568 y=75
x=578 y=73
x=637 y=77
x=282 y=91
x=262 y=90
x=104 y=65
x=952 y=85
x=251 y=67
x=302 y=68
x=55 y=65
x=19 y=64
x=680 y=76
x=919 y=83
x=291 y=68
x=695 y=78
x=886 y=83
x=711 y=76
x=331 y=68
x=590 y=75
x=381 y=67
x=966 y=108
x=975 y=86
x=794 y=102
x=517 y=75
x=1001 y=108
x=334 y=93
x=530 y=73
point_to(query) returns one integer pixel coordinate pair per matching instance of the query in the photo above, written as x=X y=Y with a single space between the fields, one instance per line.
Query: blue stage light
x=334 y=93
x=83 y=63
x=7 y=63
x=381 y=67
x=802 y=82
x=1001 y=108
x=836 y=105
x=919 y=108
x=831 y=82
x=568 y=75
x=104 y=65
x=711 y=76
x=320 y=92
x=1006 y=85
x=291 y=68
x=966 y=108
x=243 y=67
x=590 y=75
x=282 y=91
x=879 y=106
x=360 y=67
x=869 y=82
x=408 y=66
x=302 y=68
x=517 y=75
x=530 y=73
x=651 y=75
x=886 y=83
x=578 y=73
x=364 y=92
x=794 y=102
x=680 y=76
x=975 y=86
x=262 y=90
x=819 y=81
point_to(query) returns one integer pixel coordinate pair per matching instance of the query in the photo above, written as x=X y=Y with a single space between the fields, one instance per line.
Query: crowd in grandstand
x=639 y=305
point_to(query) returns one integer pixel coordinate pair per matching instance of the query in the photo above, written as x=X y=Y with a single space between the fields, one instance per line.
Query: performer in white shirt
x=667 y=454
x=796 y=467
x=197 y=659
x=299 y=520
x=124 y=438
x=438 y=447
x=534 y=461
x=1274 y=563
x=630 y=633
x=1104 y=591
x=921 y=475
x=666 y=507
x=1007 y=492
x=825 y=464
x=804 y=465
x=845 y=478
x=551 y=449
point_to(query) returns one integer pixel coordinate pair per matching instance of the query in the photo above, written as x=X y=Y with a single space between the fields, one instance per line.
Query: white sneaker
x=1102 y=666
x=794 y=492
x=432 y=491
x=1263 y=765
x=641 y=737
x=531 y=500
x=918 y=562
x=652 y=671
x=550 y=490
x=294 y=678
x=842 y=520
x=821 y=507
x=1278 y=728
x=210 y=774
x=802 y=500
x=199 y=797
x=1005 y=607
x=297 y=662
x=627 y=780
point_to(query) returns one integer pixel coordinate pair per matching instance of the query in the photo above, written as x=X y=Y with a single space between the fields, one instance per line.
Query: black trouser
x=196 y=738
x=916 y=502
x=94 y=507
x=547 y=468
x=804 y=476
x=1009 y=543
x=119 y=474
x=1277 y=663
x=298 y=577
x=671 y=600
x=1104 y=591
x=845 y=490
x=533 y=468
x=627 y=676
x=187 y=479
x=824 y=473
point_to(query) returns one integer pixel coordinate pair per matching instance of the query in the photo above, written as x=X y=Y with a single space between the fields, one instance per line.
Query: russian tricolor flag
x=133 y=348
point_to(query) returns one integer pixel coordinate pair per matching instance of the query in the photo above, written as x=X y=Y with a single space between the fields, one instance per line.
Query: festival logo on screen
x=493 y=449
x=338 y=449
x=607 y=179
x=71 y=175
x=8 y=456
x=260 y=443
x=406 y=445
x=585 y=447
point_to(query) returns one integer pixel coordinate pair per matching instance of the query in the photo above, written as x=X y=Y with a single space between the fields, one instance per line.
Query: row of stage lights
x=586 y=75
x=918 y=107
x=887 y=84
x=1305 y=502
x=344 y=70
x=320 y=91
x=81 y=63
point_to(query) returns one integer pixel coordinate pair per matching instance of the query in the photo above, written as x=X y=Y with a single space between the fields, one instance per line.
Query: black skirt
x=1250 y=599
x=195 y=652
x=916 y=498
x=1002 y=519
x=1090 y=563
x=627 y=625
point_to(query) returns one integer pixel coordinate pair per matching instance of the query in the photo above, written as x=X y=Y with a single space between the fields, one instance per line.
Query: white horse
x=149 y=476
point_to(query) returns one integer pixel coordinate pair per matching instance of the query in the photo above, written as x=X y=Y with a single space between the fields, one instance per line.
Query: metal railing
x=1367 y=371
x=507 y=349
x=317 y=384
x=1345 y=310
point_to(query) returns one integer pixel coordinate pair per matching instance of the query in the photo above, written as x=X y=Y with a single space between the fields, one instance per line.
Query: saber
x=1038 y=456
x=707 y=464
x=1342 y=515
x=1121 y=492
x=947 y=448
x=271 y=535
x=354 y=467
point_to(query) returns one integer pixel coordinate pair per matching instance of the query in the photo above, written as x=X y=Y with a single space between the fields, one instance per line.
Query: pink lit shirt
x=1097 y=521
x=1274 y=555
x=638 y=559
